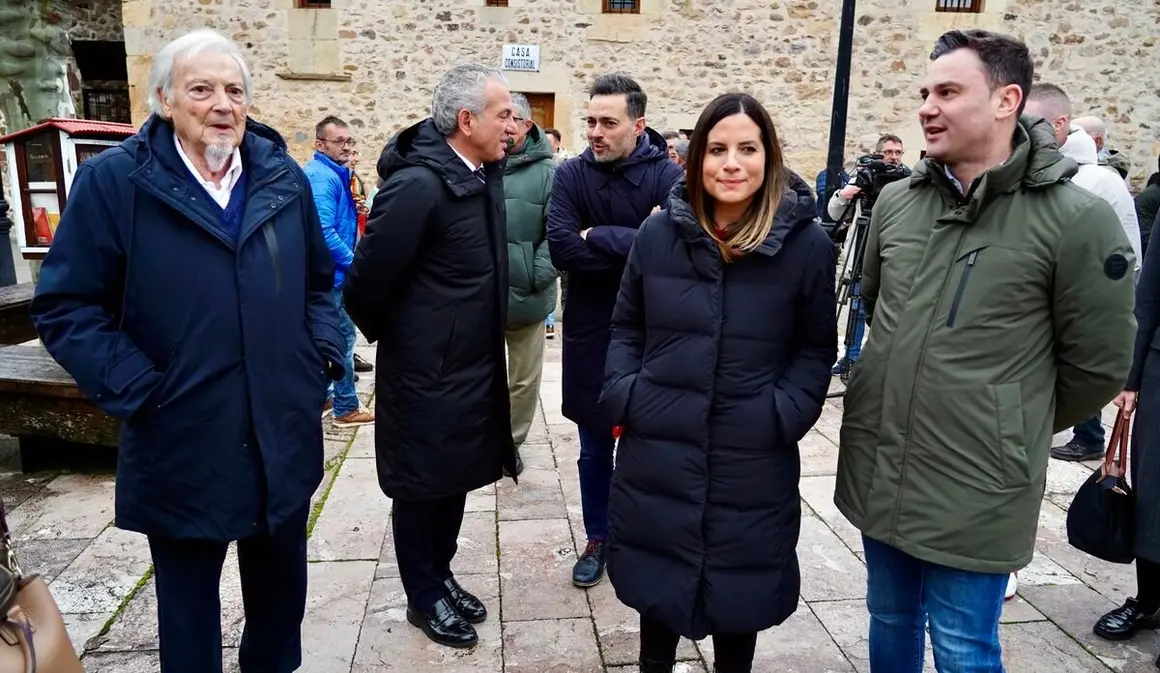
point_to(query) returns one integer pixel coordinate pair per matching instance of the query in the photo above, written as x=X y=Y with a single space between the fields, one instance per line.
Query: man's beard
x=217 y=155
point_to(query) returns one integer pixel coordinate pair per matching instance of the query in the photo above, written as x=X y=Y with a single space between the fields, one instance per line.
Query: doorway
x=543 y=109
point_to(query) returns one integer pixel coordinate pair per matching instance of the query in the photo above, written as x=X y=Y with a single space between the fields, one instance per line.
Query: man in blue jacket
x=599 y=199
x=188 y=293
x=329 y=177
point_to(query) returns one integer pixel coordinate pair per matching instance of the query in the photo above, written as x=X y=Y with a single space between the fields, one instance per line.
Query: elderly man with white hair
x=429 y=283
x=1108 y=158
x=188 y=293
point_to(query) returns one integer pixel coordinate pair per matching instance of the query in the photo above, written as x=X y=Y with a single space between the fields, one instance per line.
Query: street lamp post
x=841 y=101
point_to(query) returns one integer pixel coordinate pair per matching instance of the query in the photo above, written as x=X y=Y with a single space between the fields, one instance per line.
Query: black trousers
x=732 y=652
x=425 y=534
x=273 y=572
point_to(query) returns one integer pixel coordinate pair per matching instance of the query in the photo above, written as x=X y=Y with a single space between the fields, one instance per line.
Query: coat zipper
x=962 y=288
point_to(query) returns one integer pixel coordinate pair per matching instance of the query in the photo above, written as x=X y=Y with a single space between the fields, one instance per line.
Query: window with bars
x=496 y=3
x=107 y=105
x=963 y=6
x=313 y=4
x=622 y=6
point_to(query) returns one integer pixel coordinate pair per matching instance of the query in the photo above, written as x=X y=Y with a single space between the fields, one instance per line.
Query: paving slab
x=1040 y=646
x=476 y=553
x=818 y=494
x=1074 y=609
x=829 y=570
x=355 y=518
x=536 y=559
x=103 y=574
x=537 y=496
x=847 y=623
x=819 y=454
x=70 y=507
x=335 y=611
x=551 y=646
x=389 y=643
x=799 y=645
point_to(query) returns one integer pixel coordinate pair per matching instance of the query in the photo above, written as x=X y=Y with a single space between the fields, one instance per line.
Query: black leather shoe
x=1123 y=622
x=519 y=466
x=1074 y=451
x=443 y=625
x=361 y=365
x=654 y=666
x=469 y=607
x=589 y=569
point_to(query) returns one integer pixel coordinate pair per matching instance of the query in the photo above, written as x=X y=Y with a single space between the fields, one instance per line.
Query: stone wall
x=375 y=62
x=97 y=20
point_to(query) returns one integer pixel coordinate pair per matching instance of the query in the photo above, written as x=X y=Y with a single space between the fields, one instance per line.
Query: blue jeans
x=963 y=609
x=595 y=466
x=550 y=321
x=345 y=397
x=1089 y=433
x=859 y=325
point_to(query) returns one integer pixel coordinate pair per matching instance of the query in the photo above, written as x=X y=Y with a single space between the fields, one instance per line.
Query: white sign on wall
x=524 y=57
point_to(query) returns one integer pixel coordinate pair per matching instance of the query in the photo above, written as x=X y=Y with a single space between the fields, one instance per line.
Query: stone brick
x=673 y=49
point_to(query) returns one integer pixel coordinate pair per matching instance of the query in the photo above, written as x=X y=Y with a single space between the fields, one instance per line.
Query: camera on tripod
x=872 y=173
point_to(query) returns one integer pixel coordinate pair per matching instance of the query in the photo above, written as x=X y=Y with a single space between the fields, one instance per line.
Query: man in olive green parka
x=527 y=185
x=1000 y=301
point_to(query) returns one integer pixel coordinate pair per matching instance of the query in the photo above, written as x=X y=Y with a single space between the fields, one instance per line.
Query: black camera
x=872 y=173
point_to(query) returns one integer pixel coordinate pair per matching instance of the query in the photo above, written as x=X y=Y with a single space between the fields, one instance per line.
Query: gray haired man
x=188 y=293
x=429 y=284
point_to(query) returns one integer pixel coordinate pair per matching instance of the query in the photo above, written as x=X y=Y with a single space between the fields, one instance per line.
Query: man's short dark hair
x=1052 y=96
x=887 y=138
x=320 y=127
x=1006 y=59
x=556 y=134
x=621 y=84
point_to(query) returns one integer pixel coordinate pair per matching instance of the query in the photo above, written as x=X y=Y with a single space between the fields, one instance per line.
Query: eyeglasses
x=341 y=142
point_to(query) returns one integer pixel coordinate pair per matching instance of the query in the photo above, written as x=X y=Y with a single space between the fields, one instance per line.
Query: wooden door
x=543 y=109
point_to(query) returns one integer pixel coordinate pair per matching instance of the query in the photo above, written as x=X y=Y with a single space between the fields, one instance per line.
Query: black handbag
x=1102 y=517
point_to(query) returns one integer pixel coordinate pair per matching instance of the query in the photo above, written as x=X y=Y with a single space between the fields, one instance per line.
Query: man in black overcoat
x=429 y=283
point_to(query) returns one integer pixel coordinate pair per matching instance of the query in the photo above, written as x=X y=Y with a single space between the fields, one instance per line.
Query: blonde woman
x=722 y=340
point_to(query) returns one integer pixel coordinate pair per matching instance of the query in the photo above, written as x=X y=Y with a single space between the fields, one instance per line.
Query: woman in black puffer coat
x=722 y=340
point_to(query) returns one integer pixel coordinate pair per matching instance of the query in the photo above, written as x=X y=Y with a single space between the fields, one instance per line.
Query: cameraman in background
x=846 y=206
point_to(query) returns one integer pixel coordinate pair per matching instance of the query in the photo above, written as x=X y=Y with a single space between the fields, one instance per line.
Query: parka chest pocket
x=995 y=286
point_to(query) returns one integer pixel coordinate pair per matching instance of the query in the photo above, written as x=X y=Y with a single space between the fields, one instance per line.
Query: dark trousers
x=425 y=543
x=595 y=467
x=732 y=652
x=188 y=577
x=1090 y=432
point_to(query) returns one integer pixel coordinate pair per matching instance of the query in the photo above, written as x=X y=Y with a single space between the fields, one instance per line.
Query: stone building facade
x=375 y=62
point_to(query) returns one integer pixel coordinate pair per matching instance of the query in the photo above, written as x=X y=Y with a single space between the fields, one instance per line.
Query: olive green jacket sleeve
x=1092 y=313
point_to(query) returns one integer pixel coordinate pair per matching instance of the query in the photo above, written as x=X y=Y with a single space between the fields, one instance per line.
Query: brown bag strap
x=1117 y=454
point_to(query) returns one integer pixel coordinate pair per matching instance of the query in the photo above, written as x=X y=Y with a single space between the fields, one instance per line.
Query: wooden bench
x=41 y=405
x=15 y=322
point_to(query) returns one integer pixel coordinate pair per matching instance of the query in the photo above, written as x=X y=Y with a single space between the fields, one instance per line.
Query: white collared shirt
x=220 y=194
x=470 y=166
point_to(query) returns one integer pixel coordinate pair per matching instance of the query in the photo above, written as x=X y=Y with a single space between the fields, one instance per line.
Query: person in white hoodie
x=1051 y=102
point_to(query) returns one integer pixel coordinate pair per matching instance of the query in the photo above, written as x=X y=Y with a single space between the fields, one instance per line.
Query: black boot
x=654 y=666
x=361 y=365
x=443 y=624
x=519 y=467
x=589 y=569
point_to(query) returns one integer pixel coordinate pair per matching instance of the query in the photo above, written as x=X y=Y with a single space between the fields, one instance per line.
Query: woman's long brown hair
x=754 y=226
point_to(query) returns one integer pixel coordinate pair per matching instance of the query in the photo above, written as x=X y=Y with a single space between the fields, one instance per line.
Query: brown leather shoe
x=354 y=419
x=328 y=408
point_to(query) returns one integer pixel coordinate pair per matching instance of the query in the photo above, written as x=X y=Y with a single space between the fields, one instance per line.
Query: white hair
x=522 y=107
x=462 y=88
x=1094 y=126
x=189 y=46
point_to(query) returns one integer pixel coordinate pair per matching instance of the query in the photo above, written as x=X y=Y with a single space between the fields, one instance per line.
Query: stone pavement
x=516 y=551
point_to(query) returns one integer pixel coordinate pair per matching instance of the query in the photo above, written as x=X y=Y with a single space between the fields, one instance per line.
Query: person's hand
x=584 y=234
x=1126 y=401
x=850 y=191
x=655 y=210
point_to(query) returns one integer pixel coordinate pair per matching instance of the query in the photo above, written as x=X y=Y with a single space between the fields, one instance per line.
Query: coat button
x=272 y=206
x=281 y=198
